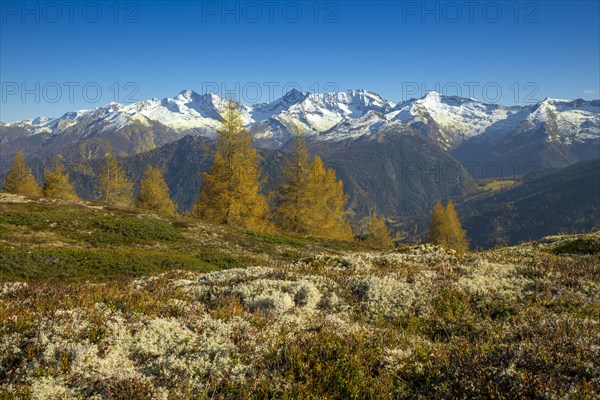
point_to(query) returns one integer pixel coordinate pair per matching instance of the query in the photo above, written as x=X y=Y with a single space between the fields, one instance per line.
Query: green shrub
x=221 y=260
x=140 y=228
x=21 y=218
x=273 y=238
x=578 y=246
x=39 y=219
x=337 y=245
x=100 y=239
x=180 y=224
x=95 y=265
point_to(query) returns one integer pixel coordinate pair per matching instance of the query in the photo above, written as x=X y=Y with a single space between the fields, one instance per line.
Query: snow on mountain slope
x=321 y=112
x=449 y=120
x=187 y=111
x=564 y=121
x=314 y=112
x=454 y=119
x=50 y=125
x=370 y=123
x=263 y=111
x=317 y=115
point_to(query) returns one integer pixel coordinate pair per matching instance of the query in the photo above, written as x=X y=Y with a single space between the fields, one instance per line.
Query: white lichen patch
x=392 y=295
x=46 y=387
x=244 y=328
x=8 y=288
x=492 y=280
x=367 y=262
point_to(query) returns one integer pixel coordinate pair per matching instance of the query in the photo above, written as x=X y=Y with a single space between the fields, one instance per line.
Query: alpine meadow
x=356 y=200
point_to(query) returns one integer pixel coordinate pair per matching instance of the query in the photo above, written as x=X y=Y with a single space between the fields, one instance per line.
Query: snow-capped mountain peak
x=450 y=120
x=186 y=94
x=263 y=111
x=40 y=120
x=293 y=96
x=564 y=121
x=431 y=97
x=316 y=113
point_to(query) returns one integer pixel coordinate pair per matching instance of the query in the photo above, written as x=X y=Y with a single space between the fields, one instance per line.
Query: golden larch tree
x=214 y=197
x=310 y=200
x=378 y=232
x=154 y=193
x=457 y=238
x=115 y=187
x=326 y=202
x=20 y=179
x=291 y=211
x=445 y=228
x=230 y=193
x=57 y=183
x=436 y=233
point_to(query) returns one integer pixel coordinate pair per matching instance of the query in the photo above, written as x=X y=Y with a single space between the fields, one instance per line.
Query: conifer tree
x=437 y=233
x=57 y=183
x=214 y=199
x=325 y=199
x=445 y=228
x=378 y=233
x=115 y=187
x=154 y=193
x=230 y=193
x=20 y=179
x=498 y=234
x=311 y=200
x=457 y=238
x=291 y=207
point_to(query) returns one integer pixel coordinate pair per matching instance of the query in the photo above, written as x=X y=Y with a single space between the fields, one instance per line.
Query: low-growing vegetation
x=274 y=238
x=578 y=246
x=215 y=312
x=146 y=229
x=96 y=264
x=77 y=242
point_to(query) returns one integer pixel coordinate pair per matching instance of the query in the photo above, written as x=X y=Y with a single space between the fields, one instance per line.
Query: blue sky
x=56 y=58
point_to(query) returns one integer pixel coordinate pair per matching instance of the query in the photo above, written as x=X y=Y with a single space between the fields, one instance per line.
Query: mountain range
x=512 y=139
x=395 y=159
